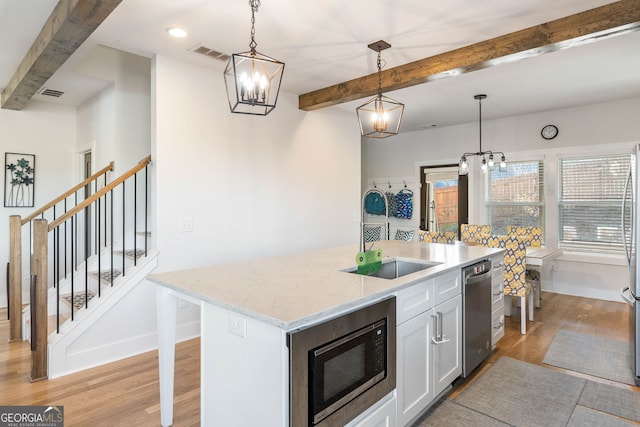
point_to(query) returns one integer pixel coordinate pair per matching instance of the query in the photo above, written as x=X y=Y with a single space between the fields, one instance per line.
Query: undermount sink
x=394 y=268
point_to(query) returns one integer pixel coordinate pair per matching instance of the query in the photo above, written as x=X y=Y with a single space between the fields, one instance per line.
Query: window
x=516 y=196
x=590 y=202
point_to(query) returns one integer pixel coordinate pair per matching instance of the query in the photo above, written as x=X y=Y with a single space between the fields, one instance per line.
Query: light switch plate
x=185 y=225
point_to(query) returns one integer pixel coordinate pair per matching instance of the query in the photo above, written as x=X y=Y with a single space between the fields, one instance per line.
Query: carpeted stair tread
x=79 y=299
x=105 y=275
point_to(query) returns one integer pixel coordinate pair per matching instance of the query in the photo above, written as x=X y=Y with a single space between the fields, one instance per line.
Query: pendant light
x=488 y=161
x=380 y=117
x=253 y=79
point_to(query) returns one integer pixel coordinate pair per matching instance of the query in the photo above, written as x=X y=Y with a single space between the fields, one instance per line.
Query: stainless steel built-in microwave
x=340 y=367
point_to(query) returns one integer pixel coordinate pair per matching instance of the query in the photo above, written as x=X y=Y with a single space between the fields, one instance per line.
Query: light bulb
x=491 y=164
x=463 y=167
x=483 y=167
x=503 y=164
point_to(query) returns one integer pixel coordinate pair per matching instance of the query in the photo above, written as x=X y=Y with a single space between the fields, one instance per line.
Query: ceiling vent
x=51 y=92
x=203 y=50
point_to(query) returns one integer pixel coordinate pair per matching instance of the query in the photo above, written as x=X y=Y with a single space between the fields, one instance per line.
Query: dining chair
x=448 y=237
x=473 y=233
x=531 y=236
x=516 y=284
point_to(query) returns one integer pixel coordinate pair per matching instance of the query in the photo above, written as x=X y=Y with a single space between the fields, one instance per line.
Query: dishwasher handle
x=476 y=279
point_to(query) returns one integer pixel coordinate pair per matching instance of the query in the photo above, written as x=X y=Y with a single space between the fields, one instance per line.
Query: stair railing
x=51 y=235
x=15 y=268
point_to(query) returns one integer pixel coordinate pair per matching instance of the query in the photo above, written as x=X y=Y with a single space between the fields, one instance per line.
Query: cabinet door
x=447 y=348
x=382 y=414
x=414 y=364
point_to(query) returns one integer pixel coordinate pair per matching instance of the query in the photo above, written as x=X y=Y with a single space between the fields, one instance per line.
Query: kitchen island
x=248 y=308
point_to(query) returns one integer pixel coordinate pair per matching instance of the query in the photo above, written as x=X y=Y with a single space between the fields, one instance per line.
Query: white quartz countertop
x=296 y=290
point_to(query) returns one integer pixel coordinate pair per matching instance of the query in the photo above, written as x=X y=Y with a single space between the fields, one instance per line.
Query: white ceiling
x=325 y=42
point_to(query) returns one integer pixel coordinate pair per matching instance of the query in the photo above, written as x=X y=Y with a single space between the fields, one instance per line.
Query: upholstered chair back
x=531 y=236
x=515 y=267
x=448 y=237
x=473 y=233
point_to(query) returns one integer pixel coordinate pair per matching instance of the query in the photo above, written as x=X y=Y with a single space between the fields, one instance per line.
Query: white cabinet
x=497 y=299
x=382 y=414
x=429 y=342
x=414 y=375
x=447 y=347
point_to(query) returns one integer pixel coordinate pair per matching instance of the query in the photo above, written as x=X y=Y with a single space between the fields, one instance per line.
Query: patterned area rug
x=601 y=357
x=516 y=393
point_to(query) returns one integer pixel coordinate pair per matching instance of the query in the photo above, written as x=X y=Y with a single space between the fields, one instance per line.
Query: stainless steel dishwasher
x=476 y=331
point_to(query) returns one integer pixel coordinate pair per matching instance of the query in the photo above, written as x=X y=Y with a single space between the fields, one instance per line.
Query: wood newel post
x=39 y=306
x=15 y=278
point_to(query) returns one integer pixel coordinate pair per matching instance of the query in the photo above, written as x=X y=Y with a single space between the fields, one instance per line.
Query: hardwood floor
x=589 y=316
x=126 y=393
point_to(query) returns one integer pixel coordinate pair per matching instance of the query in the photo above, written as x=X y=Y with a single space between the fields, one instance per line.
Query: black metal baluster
x=146 y=212
x=72 y=262
x=111 y=234
x=86 y=256
x=56 y=274
x=65 y=240
x=99 y=250
x=135 y=217
x=54 y=258
x=105 y=213
x=75 y=266
x=124 y=223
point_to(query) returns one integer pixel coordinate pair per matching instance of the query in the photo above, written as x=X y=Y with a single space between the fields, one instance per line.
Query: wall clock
x=549 y=132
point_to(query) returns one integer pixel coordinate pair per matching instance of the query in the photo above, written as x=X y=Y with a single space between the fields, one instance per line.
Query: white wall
x=598 y=128
x=48 y=131
x=116 y=121
x=252 y=186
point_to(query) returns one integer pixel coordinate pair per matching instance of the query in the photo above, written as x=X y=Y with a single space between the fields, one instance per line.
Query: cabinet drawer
x=447 y=286
x=497 y=294
x=414 y=300
x=497 y=263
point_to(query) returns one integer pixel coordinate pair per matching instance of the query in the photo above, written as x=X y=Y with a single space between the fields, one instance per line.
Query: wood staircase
x=77 y=257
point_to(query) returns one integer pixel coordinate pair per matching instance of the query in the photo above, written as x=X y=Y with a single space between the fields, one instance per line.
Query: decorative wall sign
x=19 y=179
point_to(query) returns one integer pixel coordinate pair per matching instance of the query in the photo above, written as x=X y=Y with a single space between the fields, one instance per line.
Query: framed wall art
x=19 y=179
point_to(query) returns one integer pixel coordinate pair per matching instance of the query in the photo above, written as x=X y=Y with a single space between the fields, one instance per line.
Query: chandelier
x=251 y=78
x=488 y=161
x=380 y=117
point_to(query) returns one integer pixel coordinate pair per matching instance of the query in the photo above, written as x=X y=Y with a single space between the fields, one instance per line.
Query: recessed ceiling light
x=176 y=32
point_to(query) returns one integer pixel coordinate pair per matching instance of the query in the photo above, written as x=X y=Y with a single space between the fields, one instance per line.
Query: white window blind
x=590 y=202
x=516 y=196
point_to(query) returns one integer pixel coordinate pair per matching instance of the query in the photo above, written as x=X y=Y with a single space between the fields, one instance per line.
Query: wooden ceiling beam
x=71 y=22
x=600 y=22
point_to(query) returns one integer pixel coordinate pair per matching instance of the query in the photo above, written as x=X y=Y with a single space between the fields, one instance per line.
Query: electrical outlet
x=185 y=225
x=238 y=326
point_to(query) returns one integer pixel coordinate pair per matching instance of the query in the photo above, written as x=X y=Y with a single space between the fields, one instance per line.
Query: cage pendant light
x=253 y=79
x=488 y=161
x=380 y=117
